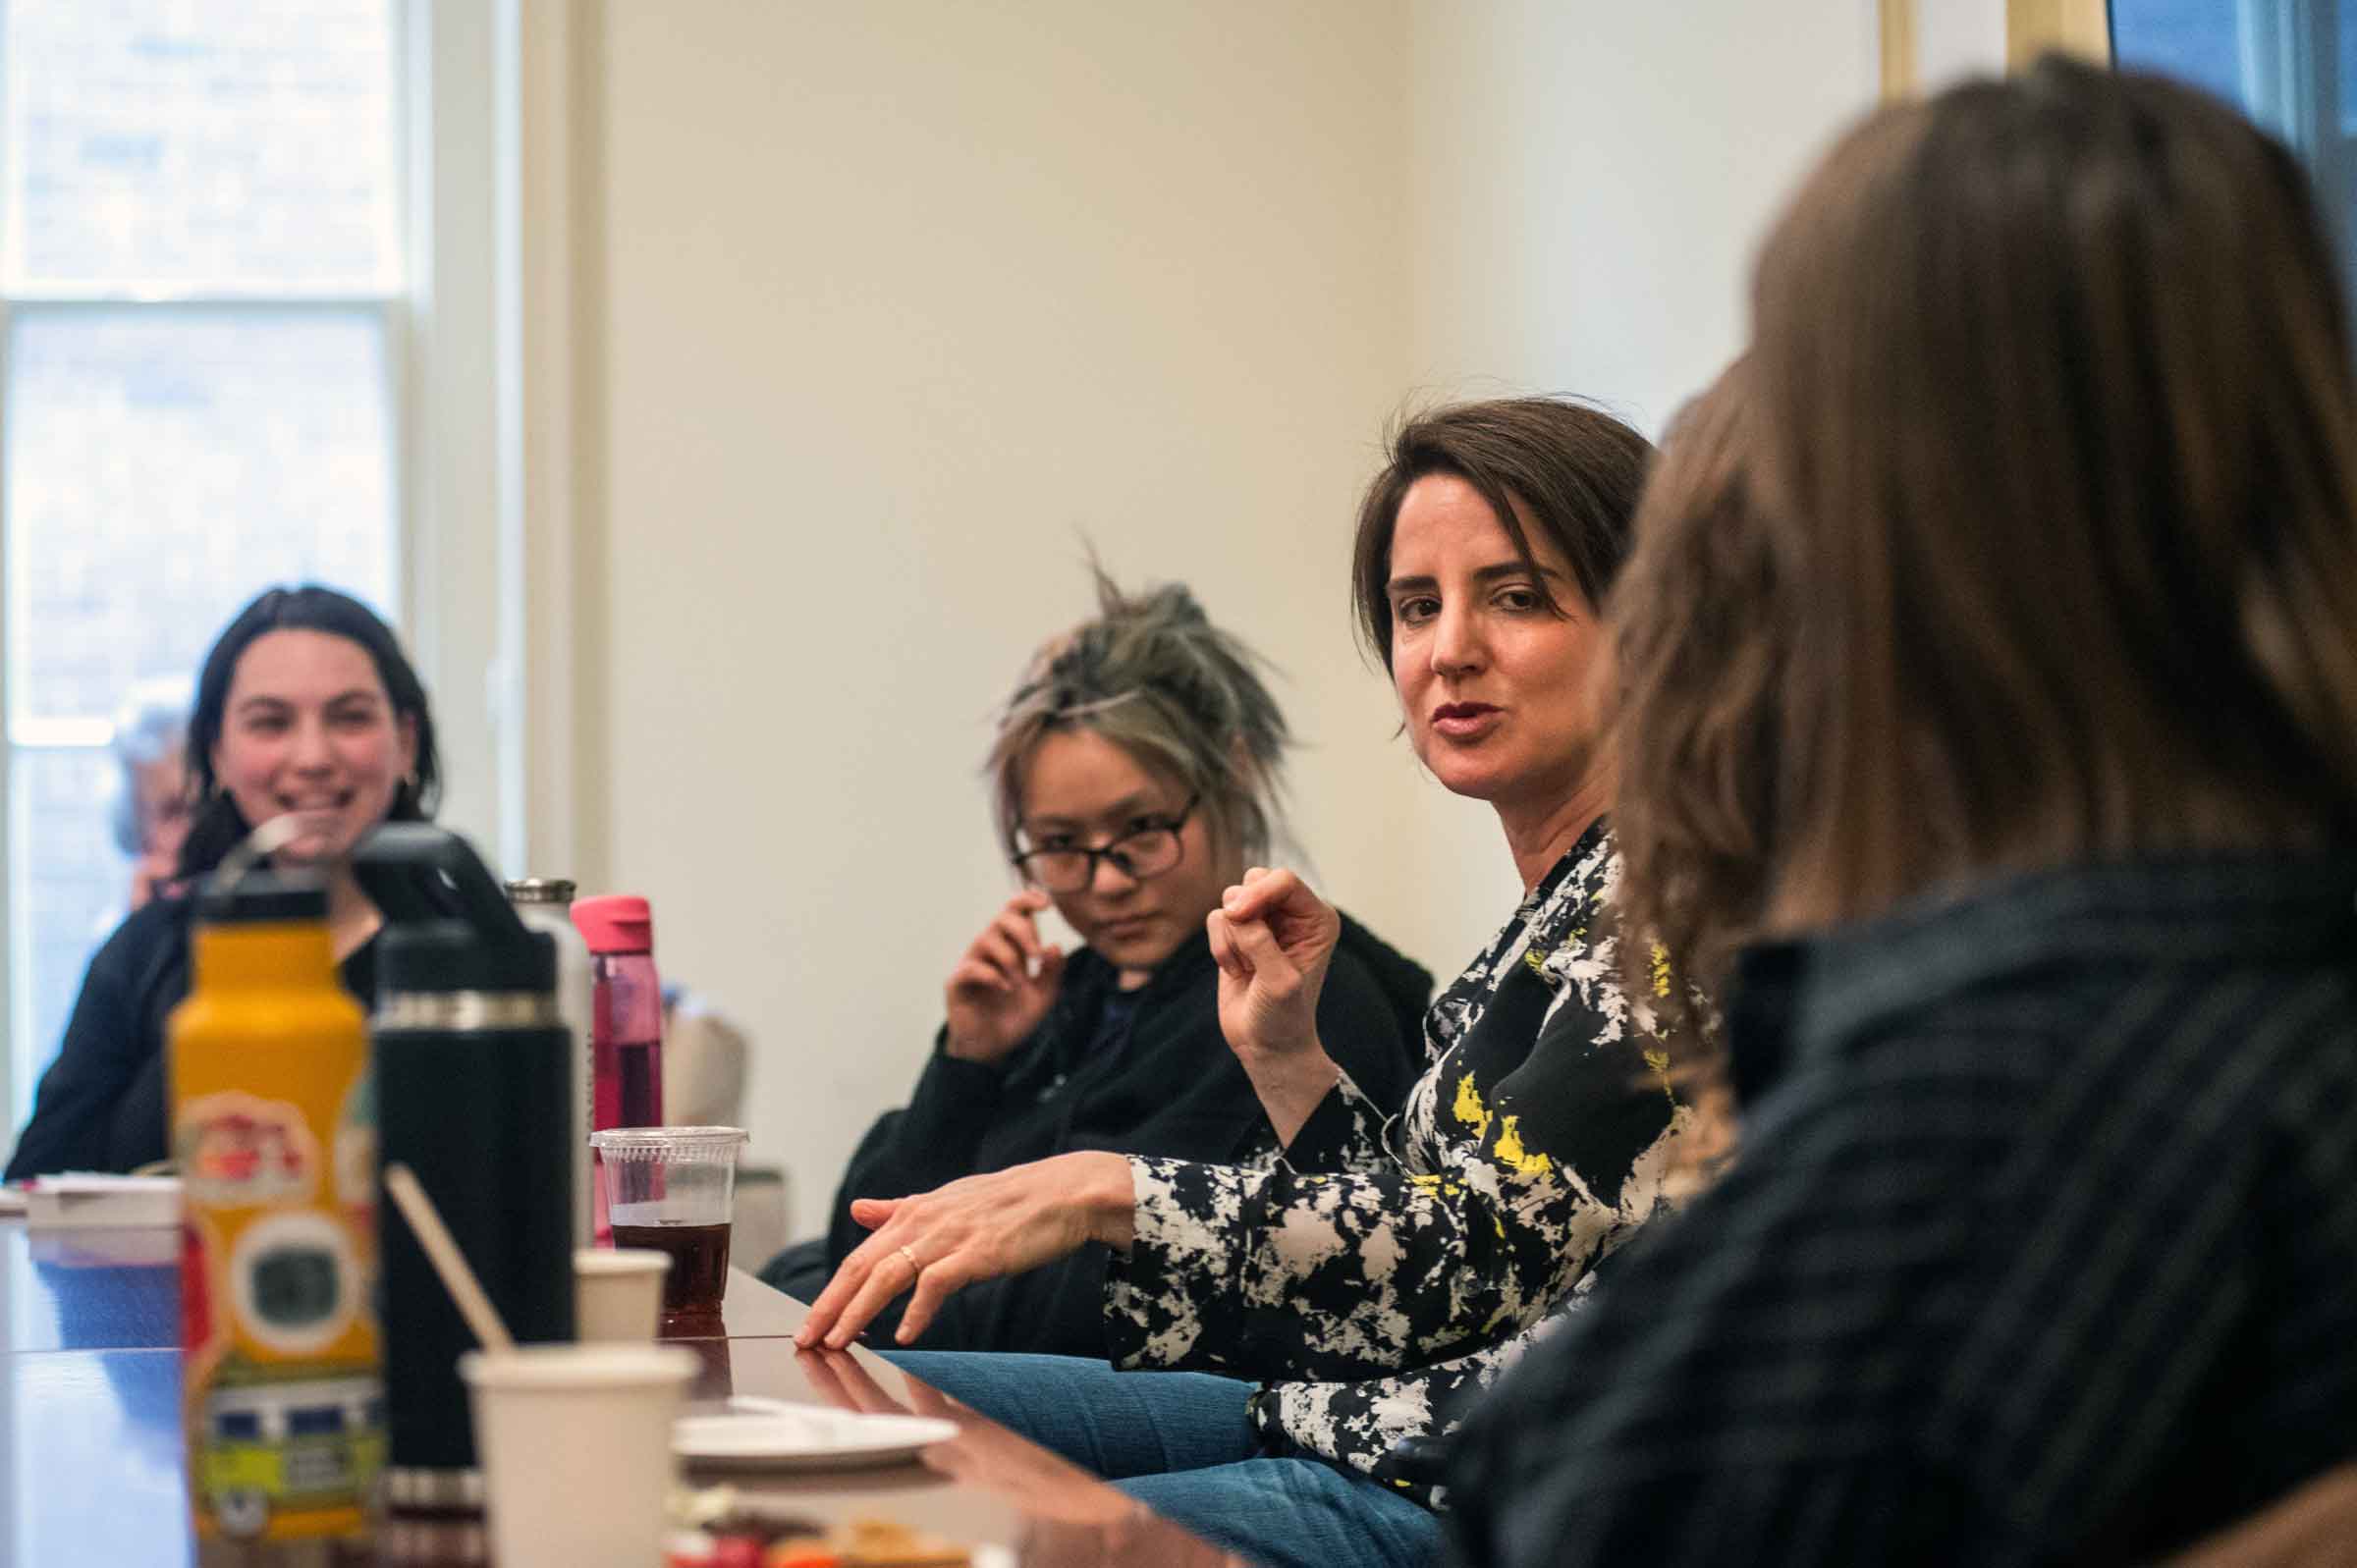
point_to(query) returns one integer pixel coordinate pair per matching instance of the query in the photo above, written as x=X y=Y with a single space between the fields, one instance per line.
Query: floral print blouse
x=1380 y=1273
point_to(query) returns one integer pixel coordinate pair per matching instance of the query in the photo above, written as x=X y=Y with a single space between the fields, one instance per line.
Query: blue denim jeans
x=1181 y=1443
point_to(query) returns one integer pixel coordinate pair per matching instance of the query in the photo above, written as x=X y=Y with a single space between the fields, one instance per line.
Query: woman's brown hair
x=1572 y=472
x=2057 y=447
x=1698 y=661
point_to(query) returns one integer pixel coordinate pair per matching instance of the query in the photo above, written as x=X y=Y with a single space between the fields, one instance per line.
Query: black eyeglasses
x=1139 y=853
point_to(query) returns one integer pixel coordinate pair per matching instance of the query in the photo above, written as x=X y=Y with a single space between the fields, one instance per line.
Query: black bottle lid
x=442 y=955
x=448 y=923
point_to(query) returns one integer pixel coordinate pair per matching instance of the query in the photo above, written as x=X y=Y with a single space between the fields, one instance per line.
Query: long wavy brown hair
x=1699 y=644
x=2057 y=448
x=1699 y=653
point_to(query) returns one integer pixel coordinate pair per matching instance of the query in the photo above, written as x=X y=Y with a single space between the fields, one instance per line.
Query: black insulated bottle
x=474 y=1094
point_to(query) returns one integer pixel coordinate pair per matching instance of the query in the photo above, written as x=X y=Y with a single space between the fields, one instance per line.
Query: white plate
x=803 y=1437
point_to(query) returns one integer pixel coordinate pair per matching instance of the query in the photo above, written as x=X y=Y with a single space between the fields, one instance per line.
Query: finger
x=975 y=975
x=1051 y=964
x=1016 y=925
x=1215 y=932
x=873 y=1212
x=885 y=1281
x=984 y=950
x=1263 y=954
x=1288 y=903
x=838 y=1295
x=1253 y=873
x=1034 y=899
x=1222 y=947
x=997 y=947
x=936 y=1283
x=1272 y=890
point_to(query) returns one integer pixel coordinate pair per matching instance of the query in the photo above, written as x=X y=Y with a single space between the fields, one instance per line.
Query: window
x=202 y=271
x=2291 y=64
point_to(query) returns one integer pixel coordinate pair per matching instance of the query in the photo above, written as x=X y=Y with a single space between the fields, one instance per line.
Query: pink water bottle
x=626 y=1021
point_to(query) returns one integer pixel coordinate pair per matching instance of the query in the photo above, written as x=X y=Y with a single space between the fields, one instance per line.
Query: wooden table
x=90 y=1448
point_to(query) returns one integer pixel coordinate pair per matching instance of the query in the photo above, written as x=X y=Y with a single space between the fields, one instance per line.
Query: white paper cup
x=576 y=1448
x=618 y=1294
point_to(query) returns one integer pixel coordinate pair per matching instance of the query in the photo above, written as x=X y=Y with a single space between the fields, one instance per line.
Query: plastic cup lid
x=643 y=1141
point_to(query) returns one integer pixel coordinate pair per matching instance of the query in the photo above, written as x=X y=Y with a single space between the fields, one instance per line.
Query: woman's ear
x=408 y=728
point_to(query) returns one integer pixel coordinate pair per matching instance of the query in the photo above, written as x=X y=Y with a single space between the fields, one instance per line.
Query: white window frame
x=2291 y=59
x=456 y=340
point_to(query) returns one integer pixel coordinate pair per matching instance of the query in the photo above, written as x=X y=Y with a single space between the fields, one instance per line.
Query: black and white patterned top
x=1378 y=1272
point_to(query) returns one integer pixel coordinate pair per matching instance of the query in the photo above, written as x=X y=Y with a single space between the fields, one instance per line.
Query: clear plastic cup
x=672 y=1190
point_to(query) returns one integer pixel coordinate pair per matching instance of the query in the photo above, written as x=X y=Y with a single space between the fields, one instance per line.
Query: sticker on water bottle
x=295 y=1280
x=239 y=1152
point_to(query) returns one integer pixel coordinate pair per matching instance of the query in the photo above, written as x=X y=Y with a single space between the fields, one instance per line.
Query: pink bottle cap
x=615 y=922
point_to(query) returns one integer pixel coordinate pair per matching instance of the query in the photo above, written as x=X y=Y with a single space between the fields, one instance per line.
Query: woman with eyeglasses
x=1133 y=774
x=1286 y=1341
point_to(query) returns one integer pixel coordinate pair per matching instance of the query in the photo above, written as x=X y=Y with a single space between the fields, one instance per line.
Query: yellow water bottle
x=273 y=1129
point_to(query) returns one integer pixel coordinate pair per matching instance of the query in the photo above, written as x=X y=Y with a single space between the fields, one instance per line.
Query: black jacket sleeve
x=101 y=1104
x=934 y=1140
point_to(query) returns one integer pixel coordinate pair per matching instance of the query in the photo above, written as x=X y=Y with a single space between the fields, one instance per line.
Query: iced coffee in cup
x=672 y=1189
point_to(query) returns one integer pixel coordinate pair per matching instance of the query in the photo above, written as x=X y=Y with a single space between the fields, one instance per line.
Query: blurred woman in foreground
x=2040 y=1243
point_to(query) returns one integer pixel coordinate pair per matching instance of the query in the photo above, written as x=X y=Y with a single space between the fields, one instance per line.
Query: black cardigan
x=101 y=1104
x=1171 y=1086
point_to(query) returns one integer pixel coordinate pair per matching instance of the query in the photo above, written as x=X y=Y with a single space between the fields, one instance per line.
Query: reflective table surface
x=90 y=1448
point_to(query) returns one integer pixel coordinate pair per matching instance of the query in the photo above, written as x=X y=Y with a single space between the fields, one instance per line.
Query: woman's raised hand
x=978 y=1227
x=1004 y=984
x=1272 y=938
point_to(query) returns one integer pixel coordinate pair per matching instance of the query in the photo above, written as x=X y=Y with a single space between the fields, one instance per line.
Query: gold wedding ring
x=914 y=1267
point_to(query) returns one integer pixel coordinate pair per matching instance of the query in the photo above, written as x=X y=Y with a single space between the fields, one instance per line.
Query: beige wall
x=901 y=304
x=1588 y=182
x=880 y=310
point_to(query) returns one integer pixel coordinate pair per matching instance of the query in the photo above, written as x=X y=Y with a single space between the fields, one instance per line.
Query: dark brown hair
x=220 y=826
x=2055 y=428
x=1572 y=472
x=1698 y=660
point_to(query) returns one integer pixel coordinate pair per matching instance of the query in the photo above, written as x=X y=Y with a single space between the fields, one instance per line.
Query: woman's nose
x=310 y=750
x=1456 y=645
x=1111 y=877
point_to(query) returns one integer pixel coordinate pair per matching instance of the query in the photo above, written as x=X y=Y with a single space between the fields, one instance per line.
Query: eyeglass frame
x=1175 y=828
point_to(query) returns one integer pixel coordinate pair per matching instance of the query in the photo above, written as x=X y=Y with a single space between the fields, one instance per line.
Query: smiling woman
x=305 y=706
